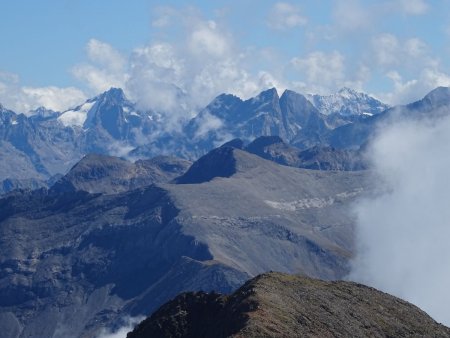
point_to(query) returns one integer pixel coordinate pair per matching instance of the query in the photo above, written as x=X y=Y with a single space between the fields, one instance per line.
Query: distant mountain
x=11 y=184
x=351 y=136
x=281 y=305
x=82 y=260
x=35 y=148
x=347 y=102
x=273 y=148
x=264 y=115
x=110 y=175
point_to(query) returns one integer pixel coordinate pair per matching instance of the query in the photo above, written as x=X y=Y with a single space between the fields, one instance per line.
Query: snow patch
x=77 y=116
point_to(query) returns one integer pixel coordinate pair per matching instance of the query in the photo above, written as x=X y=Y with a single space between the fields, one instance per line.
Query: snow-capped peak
x=347 y=102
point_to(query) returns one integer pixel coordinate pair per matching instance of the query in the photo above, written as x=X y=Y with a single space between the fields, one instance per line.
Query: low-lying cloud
x=403 y=234
x=129 y=325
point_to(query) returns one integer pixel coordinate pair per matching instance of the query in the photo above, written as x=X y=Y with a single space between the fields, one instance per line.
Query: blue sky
x=57 y=53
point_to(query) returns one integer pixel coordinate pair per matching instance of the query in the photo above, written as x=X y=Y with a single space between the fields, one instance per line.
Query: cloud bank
x=403 y=234
x=191 y=57
x=22 y=99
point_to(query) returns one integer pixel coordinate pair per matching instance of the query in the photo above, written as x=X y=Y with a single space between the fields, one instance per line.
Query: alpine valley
x=109 y=211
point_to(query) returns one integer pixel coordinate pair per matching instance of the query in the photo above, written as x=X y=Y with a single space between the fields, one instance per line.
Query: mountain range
x=36 y=150
x=107 y=214
x=83 y=255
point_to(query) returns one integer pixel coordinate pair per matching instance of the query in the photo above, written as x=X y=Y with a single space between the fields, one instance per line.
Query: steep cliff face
x=281 y=305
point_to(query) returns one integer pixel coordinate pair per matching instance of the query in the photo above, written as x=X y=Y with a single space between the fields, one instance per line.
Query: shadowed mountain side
x=280 y=305
x=108 y=174
x=219 y=162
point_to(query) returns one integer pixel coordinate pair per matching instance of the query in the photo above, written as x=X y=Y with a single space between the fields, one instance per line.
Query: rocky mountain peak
x=294 y=101
x=219 y=162
x=345 y=91
x=114 y=94
x=282 y=305
x=268 y=94
x=439 y=96
x=347 y=102
x=234 y=143
x=267 y=99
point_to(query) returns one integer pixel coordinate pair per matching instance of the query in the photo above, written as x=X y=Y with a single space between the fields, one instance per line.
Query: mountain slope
x=73 y=262
x=107 y=174
x=280 y=305
x=273 y=148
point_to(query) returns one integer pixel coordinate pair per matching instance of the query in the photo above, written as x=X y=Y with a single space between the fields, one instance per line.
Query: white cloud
x=284 y=16
x=386 y=49
x=406 y=91
x=155 y=77
x=389 y=50
x=55 y=98
x=104 y=54
x=179 y=79
x=402 y=234
x=413 y=7
x=163 y=16
x=321 y=71
x=206 y=38
x=351 y=15
x=130 y=323
x=23 y=99
x=207 y=123
x=106 y=67
x=409 y=65
x=415 y=47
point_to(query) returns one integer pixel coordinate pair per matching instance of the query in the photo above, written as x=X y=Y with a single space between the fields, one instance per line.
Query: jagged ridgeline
x=36 y=149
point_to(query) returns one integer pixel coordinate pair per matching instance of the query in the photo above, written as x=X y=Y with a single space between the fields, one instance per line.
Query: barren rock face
x=282 y=305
